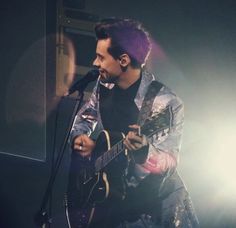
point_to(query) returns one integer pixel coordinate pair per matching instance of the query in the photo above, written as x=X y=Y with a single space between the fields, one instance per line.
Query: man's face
x=109 y=67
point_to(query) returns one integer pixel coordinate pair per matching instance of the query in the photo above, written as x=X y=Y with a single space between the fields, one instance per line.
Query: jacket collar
x=146 y=80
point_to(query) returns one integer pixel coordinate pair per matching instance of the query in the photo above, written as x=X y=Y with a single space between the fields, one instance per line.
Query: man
x=154 y=195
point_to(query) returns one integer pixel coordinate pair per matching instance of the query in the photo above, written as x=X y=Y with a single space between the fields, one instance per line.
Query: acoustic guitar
x=102 y=176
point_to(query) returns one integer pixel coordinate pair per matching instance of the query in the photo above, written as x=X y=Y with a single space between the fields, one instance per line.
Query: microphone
x=82 y=83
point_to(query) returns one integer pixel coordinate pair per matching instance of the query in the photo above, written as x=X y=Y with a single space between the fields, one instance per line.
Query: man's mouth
x=102 y=73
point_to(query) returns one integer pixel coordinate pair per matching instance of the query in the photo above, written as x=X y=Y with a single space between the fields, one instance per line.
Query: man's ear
x=124 y=60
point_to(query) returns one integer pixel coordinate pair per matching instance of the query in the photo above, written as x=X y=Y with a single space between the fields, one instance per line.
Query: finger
x=133 y=141
x=137 y=145
x=81 y=149
x=78 y=141
x=86 y=141
x=129 y=145
x=135 y=128
x=131 y=136
x=78 y=147
x=136 y=139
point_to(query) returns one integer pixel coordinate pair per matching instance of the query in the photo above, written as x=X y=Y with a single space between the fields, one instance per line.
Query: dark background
x=194 y=54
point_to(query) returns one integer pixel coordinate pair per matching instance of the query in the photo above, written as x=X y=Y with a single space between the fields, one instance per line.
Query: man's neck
x=128 y=78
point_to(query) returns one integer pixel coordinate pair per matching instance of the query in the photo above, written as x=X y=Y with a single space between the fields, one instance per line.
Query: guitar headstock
x=158 y=123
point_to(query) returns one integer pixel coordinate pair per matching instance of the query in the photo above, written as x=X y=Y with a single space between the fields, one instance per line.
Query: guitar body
x=89 y=189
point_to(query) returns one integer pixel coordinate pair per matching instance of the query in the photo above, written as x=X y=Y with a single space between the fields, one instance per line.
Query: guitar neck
x=109 y=155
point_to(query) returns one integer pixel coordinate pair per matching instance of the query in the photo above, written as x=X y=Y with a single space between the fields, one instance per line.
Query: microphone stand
x=41 y=218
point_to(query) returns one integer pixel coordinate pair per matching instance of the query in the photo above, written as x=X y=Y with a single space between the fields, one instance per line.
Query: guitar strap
x=145 y=110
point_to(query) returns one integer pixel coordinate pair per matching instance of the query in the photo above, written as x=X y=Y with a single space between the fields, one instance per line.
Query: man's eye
x=100 y=58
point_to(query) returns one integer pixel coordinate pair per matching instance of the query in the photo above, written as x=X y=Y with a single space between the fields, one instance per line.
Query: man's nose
x=96 y=63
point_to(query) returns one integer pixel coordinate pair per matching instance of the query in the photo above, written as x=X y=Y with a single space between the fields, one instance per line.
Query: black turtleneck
x=117 y=107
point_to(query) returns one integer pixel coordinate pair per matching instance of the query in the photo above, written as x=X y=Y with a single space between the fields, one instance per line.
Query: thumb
x=135 y=128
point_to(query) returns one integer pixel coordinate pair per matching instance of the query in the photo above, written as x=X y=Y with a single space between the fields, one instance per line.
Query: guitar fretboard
x=109 y=155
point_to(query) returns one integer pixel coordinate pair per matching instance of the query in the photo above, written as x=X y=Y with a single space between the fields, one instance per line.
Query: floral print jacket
x=163 y=152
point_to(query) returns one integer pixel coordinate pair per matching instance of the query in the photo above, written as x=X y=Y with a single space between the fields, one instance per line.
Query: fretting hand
x=133 y=140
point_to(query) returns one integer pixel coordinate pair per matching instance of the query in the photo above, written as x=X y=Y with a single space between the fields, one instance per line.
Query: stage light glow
x=225 y=160
x=221 y=160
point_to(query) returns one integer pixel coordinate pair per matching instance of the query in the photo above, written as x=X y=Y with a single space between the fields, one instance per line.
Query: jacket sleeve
x=163 y=151
x=87 y=117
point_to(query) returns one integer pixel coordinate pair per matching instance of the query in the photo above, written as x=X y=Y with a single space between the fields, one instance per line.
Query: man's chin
x=105 y=79
x=103 y=76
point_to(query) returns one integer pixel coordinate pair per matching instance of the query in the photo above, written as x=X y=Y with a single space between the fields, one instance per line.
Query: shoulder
x=167 y=97
x=164 y=97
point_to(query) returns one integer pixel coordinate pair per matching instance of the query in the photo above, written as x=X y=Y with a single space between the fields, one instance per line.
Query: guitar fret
x=106 y=156
x=113 y=152
x=120 y=146
x=98 y=164
x=109 y=155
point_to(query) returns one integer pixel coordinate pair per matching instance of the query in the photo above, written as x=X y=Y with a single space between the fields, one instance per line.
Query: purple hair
x=127 y=36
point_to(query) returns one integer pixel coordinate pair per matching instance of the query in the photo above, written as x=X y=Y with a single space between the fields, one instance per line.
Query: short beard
x=109 y=79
